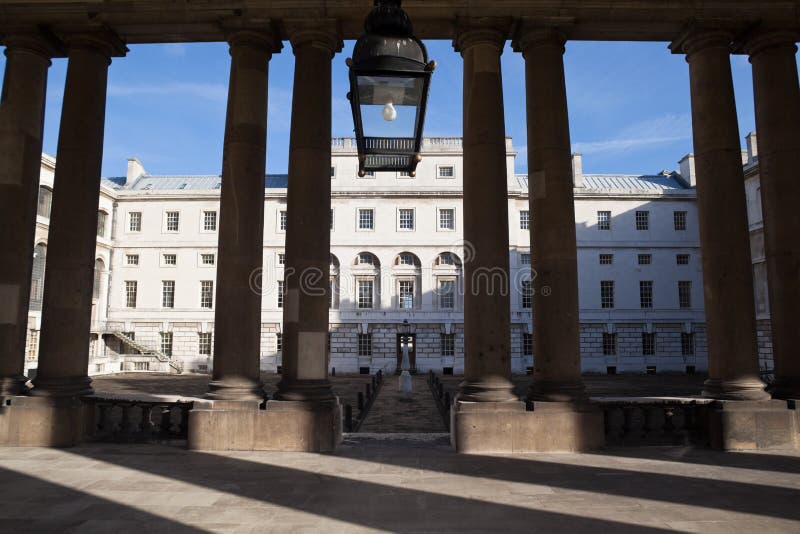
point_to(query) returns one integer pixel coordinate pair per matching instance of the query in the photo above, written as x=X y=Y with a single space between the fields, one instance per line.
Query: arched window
x=447 y=280
x=407 y=271
x=37 y=276
x=366 y=273
x=45 y=201
x=333 y=290
x=99 y=270
x=101 y=223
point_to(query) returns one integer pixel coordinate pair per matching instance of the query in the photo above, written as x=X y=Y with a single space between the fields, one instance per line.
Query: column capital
x=527 y=36
x=471 y=32
x=34 y=41
x=325 y=34
x=701 y=35
x=104 y=40
x=762 y=39
x=262 y=40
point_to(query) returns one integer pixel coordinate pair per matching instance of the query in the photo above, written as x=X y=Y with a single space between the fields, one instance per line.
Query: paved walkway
x=394 y=486
x=392 y=414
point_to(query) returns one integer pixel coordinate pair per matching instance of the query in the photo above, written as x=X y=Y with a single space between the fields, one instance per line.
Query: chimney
x=135 y=170
x=752 y=147
x=687 y=170
x=577 y=170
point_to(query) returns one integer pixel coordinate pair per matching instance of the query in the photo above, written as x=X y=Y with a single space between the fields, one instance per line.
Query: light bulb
x=389 y=113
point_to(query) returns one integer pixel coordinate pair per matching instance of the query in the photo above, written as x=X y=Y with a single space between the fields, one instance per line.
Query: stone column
x=554 y=262
x=722 y=214
x=69 y=275
x=487 y=344
x=237 y=316
x=777 y=106
x=21 y=124
x=305 y=311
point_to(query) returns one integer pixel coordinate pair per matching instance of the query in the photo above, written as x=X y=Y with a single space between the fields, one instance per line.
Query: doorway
x=411 y=339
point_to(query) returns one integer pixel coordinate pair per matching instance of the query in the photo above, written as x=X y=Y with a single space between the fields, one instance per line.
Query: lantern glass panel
x=404 y=94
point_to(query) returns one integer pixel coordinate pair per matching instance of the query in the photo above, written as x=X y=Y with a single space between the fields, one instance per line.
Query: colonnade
x=722 y=214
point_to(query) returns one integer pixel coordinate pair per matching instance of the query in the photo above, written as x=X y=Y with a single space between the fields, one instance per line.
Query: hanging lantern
x=389 y=80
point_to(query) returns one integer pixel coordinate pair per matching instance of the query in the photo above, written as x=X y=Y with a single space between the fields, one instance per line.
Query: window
x=32 y=348
x=365 y=344
x=282 y=220
x=524 y=220
x=446 y=258
x=645 y=259
x=606 y=259
x=166 y=343
x=682 y=259
x=447 y=342
x=406 y=259
x=685 y=294
x=141 y=366
x=447 y=219
x=208 y=259
x=447 y=294
x=365 y=294
x=642 y=220
x=604 y=220
x=204 y=343
x=330 y=218
x=45 y=202
x=173 y=221
x=527 y=344
x=135 y=221
x=527 y=294
x=406 y=294
x=609 y=344
x=168 y=294
x=130 y=293
x=210 y=221
x=370 y=174
x=279 y=342
x=99 y=268
x=406 y=219
x=646 y=293
x=366 y=219
x=333 y=171
x=281 y=292
x=606 y=293
x=207 y=294
x=648 y=344
x=281 y=258
x=170 y=259
x=687 y=344
x=101 y=223
x=679 y=219
x=446 y=171
x=525 y=258
x=366 y=259
x=132 y=260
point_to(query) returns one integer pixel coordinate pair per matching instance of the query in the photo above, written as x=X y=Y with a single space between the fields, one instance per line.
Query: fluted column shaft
x=305 y=309
x=21 y=126
x=69 y=274
x=777 y=107
x=722 y=214
x=237 y=314
x=554 y=261
x=487 y=354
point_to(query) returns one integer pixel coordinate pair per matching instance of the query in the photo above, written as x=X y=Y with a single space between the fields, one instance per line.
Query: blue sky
x=628 y=102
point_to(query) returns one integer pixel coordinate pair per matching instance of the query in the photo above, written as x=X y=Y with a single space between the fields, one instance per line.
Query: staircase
x=149 y=351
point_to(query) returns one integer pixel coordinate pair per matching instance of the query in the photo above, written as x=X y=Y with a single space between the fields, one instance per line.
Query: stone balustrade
x=137 y=418
x=654 y=420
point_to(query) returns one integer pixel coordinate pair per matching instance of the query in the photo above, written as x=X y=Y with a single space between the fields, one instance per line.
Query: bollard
x=447 y=401
x=360 y=402
x=333 y=371
x=380 y=375
x=440 y=389
x=348 y=418
x=368 y=389
x=374 y=383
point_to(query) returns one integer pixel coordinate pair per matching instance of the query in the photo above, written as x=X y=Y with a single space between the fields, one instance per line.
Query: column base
x=305 y=391
x=67 y=386
x=786 y=388
x=737 y=390
x=486 y=392
x=42 y=422
x=759 y=425
x=11 y=386
x=513 y=427
x=281 y=426
x=238 y=390
x=557 y=391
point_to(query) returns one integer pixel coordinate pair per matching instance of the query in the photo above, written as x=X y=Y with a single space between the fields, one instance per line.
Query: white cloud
x=174 y=49
x=207 y=91
x=660 y=130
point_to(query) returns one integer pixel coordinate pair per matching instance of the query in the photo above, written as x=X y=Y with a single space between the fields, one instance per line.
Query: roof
x=623 y=182
x=209 y=182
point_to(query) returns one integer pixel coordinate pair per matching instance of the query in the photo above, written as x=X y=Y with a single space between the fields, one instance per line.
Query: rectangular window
x=366 y=219
x=527 y=344
x=166 y=343
x=281 y=258
x=168 y=294
x=679 y=219
x=604 y=220
x=606 y=293
x=406 y=219
x=642 y=220
x=101 y=224
x=648 y=344
x=525 y=258
x=448 y=344
x=447 y=219
x=646 y=293
x=406 y=294
x=447 y=294
x=135 y=221
x=279 y=342
x=204 y=343
x=606 y=259
x=281 y=292
x=207 y=294
x=208 y=259
x=527 y=294
x=130 y=293
x=330 y=218
x=645 y=259
x=365 y=344
x=210 y=221
x=365 y=294
x=609 y=344
x=687 y=344
x=141 y=366
x=447 y=171
x=173 y=221
x=132 y=260
x=170 y=259
x=682 y=259
x=282 y=221
x=32 y=348
x=524 y=220
x=685 y=293
x=333 y=171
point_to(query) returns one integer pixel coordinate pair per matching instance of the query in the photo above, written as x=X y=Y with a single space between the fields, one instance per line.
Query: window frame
x=373 y=212
x=604 y=220
x=166 y=227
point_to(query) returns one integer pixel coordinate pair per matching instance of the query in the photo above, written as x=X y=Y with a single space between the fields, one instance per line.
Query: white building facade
x=397 y=253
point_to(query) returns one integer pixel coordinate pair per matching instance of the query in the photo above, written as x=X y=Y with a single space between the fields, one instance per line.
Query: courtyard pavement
x=416 y=484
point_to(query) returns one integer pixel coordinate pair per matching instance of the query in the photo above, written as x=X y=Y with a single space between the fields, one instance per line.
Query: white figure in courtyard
x=404 y=383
